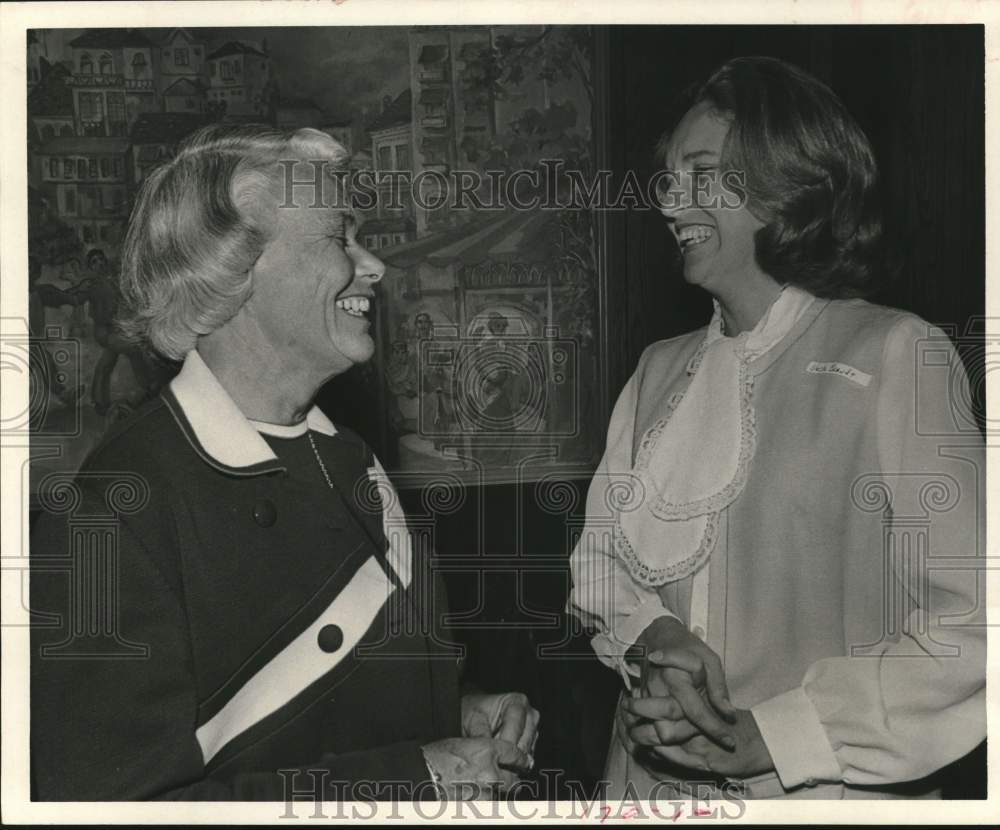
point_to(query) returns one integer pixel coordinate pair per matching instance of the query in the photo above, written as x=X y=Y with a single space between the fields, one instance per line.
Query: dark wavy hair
x=810 y=173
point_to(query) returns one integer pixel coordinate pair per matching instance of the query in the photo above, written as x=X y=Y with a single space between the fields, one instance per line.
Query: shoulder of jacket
x=672 y=346
x=871 y=317
x=133 y=441
x=354 y=440
x=870 y=325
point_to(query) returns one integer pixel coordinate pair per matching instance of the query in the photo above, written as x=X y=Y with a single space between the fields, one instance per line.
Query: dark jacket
x=204 y=620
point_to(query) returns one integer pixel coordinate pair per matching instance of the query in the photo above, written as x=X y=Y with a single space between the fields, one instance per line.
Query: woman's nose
x=672 y=195
x=368 y=266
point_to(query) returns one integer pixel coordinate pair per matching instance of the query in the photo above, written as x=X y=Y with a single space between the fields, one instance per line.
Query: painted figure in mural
x=402 y=379
x=47 y=385
x=262 y=556
x=436 y=394
x=104 y=299
x=70 y=275
x=764 y=470
x=495 y=386
x=498 y=397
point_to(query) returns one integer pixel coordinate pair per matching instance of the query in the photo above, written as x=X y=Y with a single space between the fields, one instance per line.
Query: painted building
x=393 y=221
x=86 y=178
x=240 y=81
x=182 y=57
x=183 y=75
x=155 y=137
x=113 y=80
x=454 y=121
x=185 y=95
x=50 y=103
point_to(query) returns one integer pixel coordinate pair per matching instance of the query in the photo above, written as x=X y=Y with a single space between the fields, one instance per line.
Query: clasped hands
x=680 y=709
x=498 y=736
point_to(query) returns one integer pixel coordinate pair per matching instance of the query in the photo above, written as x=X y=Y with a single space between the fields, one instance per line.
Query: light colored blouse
x=844 y=594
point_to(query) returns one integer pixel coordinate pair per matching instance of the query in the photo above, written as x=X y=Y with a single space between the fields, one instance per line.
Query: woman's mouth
x=356 y=306
x=691 y=235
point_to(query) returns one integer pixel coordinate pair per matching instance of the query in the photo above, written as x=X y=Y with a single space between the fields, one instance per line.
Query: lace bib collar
x=693 y=462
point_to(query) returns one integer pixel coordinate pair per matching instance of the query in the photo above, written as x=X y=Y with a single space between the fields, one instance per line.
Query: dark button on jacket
x=214 y=598
x=265 y=513
x=330 y=638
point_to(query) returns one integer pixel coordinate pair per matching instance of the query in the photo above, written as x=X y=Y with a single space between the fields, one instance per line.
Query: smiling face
x=313 y=287
x=716 y=239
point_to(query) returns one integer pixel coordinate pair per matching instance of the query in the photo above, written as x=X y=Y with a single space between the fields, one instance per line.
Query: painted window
x=91 y=106
x=402 y=157
x=116 y=107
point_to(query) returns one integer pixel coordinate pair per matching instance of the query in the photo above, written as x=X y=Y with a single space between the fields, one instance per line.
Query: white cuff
x=628 y=631
x=794 y=736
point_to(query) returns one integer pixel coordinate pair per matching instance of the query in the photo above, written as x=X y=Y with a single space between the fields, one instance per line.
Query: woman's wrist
x=660 y=633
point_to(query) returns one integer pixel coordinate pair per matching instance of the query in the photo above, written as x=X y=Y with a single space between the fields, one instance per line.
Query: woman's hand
x=475 y=768
x=508 y=717
x=659 y=724
x=681 y=668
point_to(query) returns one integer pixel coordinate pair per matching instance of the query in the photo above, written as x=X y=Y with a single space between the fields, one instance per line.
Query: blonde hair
x=200 y=222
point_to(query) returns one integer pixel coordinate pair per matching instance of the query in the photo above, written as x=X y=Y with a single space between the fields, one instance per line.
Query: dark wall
x=918 y=93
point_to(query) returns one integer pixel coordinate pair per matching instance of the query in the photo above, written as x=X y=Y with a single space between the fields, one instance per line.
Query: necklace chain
x=322 y=466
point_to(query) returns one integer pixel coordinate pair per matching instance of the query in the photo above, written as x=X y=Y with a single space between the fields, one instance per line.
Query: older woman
x=269 y=627
x=780 y=490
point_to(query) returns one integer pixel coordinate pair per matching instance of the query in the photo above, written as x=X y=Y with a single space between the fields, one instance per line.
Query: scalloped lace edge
x=748 y=444
x=652 y=577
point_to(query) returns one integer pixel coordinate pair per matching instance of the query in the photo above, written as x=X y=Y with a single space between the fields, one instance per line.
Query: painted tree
x=559 y=60
x=50 y=240
x=559 y=57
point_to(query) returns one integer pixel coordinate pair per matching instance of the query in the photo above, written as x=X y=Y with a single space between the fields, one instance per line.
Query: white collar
x=215 y=426
x=694 y=461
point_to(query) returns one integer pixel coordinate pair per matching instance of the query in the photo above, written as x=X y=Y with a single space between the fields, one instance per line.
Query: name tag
x=841 y=369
